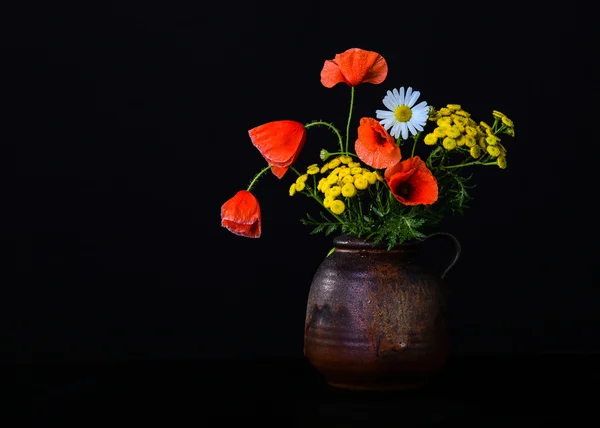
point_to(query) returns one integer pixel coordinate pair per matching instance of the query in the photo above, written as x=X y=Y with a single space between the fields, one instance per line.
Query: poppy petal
x=279 y=171
x=353 y=67
x=409 y=164
x=280 y=143
x=331 y=75
x=241 y=215
x=375 y=146
x=425 y=188
x=411 y=182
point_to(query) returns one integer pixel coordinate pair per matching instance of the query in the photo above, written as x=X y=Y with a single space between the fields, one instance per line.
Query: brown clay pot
x=376 y=318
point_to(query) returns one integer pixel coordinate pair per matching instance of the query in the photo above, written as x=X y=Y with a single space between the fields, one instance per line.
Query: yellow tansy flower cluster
x=343 y=177
x=456 y=129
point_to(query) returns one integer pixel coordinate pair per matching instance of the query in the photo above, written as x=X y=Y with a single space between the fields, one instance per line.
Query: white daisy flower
x=403 y=115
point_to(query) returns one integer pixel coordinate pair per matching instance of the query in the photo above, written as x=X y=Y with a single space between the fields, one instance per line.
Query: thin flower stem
x=343 y=153
x=339 y=219
x=349 y=117
x=256 y=177
x=296 y=171
x=308 y=125
x=415 y=138
x=469 y=163
x=495 y=125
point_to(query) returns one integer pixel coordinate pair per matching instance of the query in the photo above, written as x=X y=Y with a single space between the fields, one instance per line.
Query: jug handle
x=457 y=249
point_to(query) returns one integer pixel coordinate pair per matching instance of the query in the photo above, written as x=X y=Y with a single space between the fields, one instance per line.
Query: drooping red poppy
x=241 y=215
x=375 y=146
x=280 y=143
x=411 y=182
x=353 y=67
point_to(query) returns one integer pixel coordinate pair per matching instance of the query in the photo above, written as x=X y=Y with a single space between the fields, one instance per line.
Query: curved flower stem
x=256 y=177
x=349 y=117
x=469 y=163
x=296 y=171
x=308 y=125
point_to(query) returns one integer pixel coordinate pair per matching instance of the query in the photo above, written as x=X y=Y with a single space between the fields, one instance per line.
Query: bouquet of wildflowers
x=408 y=167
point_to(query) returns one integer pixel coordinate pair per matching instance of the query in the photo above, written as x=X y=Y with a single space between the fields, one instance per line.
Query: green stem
x=415 y=138
x=308 y=125
x=469 y=163
x=339 y=219
x=256 y=177
x=343 y=153
x=349 y=117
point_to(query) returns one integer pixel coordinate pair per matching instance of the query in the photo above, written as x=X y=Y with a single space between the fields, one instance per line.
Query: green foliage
x=321 y=226
x=400 y=226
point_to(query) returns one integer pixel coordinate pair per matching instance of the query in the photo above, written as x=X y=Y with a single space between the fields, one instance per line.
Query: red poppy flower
x=353 y=67
x=241 y=215
x=375 y=146
x=280 y=143
x=411 y=182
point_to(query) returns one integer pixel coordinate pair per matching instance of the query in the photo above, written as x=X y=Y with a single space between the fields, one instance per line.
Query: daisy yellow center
x=403 y=113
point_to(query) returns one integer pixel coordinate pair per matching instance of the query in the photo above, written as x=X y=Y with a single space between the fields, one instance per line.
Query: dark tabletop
x=480 y=391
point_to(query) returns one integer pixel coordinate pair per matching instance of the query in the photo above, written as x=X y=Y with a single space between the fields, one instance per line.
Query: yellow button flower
x=300 y=186
x=501 y=161
x=470 y=141
x=361 y=183
x=508 y=122
x=321 y=182
x=334 y=163
x=453 y=132
x=449 y=143
x=334 y=191
x=470 y=130
x=492 y=140
x=302 y=178
x=459 y=120
x=493 y=150
x=440 y=131
x=344 y=172
x=430 y=139
x=370 y=177
x=337 y=206
x=446 y=120
x=348 y=190
x=475 y=152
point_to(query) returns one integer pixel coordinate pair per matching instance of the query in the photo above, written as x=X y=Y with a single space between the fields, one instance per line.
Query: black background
x=130 y=119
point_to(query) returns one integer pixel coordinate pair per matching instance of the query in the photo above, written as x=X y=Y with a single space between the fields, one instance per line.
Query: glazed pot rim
x=352 y=241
